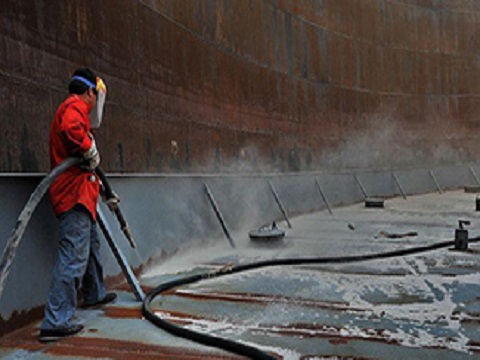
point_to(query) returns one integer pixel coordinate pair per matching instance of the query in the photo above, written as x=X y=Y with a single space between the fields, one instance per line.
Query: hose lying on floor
x=16 y=235
x=249 y=351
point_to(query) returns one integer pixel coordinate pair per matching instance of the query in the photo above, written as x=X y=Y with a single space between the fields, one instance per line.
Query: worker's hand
x=112 y=202
x=92 y=158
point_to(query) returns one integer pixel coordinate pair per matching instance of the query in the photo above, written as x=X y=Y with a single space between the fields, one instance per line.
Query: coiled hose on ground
x=249 y=351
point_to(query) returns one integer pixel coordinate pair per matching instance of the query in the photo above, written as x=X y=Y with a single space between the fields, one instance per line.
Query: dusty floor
x=417 y=307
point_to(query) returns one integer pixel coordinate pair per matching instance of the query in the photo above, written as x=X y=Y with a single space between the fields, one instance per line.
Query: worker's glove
x=112 y=202
x=91 y=157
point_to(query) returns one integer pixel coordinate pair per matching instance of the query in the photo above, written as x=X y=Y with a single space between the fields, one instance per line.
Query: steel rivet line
x=219 y=216
x=323 y=195
x=435 y=181
x=279 y=203
x=361 y=186
x=397 y=181
x=474 y=175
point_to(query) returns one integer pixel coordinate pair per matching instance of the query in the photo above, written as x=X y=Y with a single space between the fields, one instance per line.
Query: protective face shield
x=96 y=113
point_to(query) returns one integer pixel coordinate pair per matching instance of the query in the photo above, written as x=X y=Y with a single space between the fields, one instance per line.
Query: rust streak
x=116 y=312
x=123 y=313
x=333 y=357
x=182 y=318
x=264 y=299
x=303 y=330
x=24 y=338
x=20 y=319
x=342 y=341
x=125 y=287
x=326 y=331
x=127 y=350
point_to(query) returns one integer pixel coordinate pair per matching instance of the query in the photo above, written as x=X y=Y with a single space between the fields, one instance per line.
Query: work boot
x=49 y=335
x=109 y=298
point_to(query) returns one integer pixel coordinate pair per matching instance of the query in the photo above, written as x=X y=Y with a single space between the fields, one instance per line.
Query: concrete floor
x=417 y=307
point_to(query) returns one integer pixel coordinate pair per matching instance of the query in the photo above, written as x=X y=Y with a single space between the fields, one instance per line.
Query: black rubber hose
x=249 y=351
x=16 y=235
x=213 y=341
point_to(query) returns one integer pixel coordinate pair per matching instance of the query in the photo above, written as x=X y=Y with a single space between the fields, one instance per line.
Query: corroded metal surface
x=241 y=84
x=25 y=345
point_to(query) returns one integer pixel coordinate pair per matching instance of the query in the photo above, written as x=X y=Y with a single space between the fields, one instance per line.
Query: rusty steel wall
x=245 y=85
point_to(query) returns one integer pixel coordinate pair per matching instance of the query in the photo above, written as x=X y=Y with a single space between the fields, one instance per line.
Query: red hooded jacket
x=69 y=136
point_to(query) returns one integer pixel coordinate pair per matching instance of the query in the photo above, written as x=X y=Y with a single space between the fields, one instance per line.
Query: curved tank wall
x=235 y=85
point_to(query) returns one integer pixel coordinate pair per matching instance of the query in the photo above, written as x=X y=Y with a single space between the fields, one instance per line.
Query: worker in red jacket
x=74 y=196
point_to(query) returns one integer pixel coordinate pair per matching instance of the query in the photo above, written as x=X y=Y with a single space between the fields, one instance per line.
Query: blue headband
x=85 y=81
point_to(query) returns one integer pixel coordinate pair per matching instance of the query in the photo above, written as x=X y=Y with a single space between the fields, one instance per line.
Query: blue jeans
x=78 y=263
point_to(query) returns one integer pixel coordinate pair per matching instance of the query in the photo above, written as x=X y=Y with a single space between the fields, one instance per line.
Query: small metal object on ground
x=374 y=202
x=461 y=236
x=391 y=235
x=267 y=234
x=472 y=189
